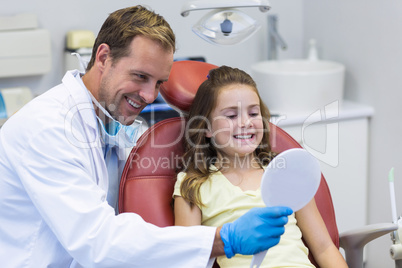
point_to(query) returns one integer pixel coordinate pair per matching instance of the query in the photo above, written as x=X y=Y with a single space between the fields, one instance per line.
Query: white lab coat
x=53 y=184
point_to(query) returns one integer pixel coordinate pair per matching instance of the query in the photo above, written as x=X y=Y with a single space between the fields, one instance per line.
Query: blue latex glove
x=256 y=231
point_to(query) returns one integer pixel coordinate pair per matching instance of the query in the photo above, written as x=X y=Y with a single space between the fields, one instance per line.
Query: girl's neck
x=233 y=163
x=243 y=172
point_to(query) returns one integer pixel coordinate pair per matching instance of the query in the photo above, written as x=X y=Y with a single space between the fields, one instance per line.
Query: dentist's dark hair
x=123 y=25
x=200 y=152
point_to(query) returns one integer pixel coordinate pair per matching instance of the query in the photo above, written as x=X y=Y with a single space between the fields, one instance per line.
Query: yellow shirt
x=225 y=202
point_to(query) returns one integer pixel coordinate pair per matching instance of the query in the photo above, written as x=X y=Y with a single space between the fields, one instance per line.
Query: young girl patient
x=227 y=148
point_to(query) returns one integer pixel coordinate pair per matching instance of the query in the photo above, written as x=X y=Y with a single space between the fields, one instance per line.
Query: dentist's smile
x=133 y=104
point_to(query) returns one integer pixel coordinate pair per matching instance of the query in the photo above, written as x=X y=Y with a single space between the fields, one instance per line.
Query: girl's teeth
x=133 y=104
x=243 y=136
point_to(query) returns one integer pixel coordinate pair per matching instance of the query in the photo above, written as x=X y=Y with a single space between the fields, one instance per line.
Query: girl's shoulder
x=180 y=177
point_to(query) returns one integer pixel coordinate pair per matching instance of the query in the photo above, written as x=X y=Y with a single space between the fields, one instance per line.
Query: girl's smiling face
x=236 y=126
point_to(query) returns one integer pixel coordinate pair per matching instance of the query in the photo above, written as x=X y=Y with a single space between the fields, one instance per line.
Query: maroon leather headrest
x=184 y=80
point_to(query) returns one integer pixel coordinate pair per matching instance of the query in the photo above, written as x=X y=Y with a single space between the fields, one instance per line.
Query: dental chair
x=149 y=176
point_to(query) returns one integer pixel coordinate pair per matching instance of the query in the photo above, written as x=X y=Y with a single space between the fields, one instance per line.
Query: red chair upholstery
x=147 y=182
x=150 y=173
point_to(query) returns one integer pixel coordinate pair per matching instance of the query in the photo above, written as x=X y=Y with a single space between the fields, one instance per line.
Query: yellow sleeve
x=180 y=178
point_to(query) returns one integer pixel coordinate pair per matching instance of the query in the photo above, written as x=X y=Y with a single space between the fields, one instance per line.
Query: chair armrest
x=354 y=241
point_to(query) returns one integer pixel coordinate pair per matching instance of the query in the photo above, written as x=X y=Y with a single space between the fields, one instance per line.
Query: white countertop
x=344 y=110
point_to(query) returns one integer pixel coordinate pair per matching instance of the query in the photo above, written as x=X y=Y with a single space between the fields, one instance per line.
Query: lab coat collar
x=81 y=97
x=85 y=107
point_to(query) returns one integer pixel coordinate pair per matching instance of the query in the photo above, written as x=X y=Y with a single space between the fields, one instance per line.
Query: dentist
x=61 y=158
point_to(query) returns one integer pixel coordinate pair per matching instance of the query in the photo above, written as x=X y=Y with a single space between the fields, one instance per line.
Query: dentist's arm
x=218 y=248
x=257 y=230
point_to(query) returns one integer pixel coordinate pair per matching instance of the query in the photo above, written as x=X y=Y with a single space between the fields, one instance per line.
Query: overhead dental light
x=225 y=25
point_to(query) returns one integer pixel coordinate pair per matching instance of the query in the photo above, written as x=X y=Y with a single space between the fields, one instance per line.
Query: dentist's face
x=132 y=82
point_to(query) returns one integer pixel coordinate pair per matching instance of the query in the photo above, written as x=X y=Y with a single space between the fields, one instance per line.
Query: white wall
x=61 y=16
x=365 y=35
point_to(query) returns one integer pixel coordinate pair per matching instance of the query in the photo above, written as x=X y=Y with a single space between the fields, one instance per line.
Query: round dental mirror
x=291 y=179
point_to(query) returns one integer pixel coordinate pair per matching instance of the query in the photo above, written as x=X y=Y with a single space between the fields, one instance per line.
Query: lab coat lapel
x=83 y=105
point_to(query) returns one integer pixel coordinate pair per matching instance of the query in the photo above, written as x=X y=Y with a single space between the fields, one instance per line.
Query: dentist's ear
x=102 y=55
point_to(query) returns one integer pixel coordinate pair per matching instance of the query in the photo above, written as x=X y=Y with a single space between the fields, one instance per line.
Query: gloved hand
x=256 y=231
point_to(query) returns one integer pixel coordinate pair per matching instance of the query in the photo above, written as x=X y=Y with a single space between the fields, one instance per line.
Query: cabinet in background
x=338 y=137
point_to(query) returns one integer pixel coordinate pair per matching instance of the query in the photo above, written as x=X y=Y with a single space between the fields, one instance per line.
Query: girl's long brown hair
x=199 y=151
